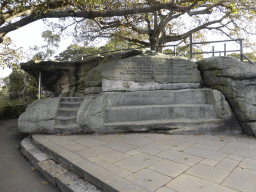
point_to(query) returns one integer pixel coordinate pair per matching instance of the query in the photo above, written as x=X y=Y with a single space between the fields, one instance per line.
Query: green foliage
x=14 y=83
x=12 y=111
x=75 y=52
x=46 y=51
x=9 y=54
x=185 y=52
x=114 y=44
x=14 y=93
x=141 y=22
x=251 y=56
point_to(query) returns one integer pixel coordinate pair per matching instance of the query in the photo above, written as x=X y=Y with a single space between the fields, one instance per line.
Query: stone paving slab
x=146 y=162
x=207 y=172
x=241 y=180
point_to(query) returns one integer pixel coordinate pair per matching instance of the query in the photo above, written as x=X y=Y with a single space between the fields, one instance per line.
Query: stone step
x=62 y=120
x=74 y=105
x=67 y=129
x=151 y=112
x=163 y=124
x=66 y=112
x=162 y=97
x=72 y=99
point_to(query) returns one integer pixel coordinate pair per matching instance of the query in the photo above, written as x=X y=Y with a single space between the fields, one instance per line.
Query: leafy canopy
x=46 y=51
x=75 y=52
x=15 y=91
x=139 y=22
x=9 y=54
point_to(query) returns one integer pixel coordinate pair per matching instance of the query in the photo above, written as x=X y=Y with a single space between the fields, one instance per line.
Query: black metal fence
x=191 y=44
x=213 y=52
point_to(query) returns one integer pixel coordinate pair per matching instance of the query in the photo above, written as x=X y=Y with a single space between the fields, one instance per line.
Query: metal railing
x=191 y=44
x=250 y=61
x=225 y=51
x=120 y=50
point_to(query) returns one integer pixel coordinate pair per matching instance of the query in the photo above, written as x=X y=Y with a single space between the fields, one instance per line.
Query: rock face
x=153 y=68
x=40 y=116
x=136 y=92
x=237 y=81
x=69 y=79
x=62 y=78
x=150 y=72
x=185 y=110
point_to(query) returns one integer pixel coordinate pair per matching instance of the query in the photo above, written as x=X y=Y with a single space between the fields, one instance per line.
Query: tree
x=9 y=54
x=115 y=44
x=75 y=52
x=251 y=56
x=46 y=51
x=185 y=51
x=144 y=22
x=17 y=90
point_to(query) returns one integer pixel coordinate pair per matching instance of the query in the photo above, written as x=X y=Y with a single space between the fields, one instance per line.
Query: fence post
x=191 y=45
x=174 y=50
x=241 y=50
x=39 y=88
x=213 y=51
x=225 y=49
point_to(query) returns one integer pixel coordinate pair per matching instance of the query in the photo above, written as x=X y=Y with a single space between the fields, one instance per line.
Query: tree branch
x=37 y=15
x=186 y=35
x=133 y=40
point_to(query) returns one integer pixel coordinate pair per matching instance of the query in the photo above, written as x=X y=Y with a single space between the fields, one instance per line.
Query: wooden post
x=174 y=50
x=213 y=51
x=39 y=89
x=191 y=45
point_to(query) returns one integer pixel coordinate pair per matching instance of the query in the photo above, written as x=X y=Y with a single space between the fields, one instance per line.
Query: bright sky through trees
x=140 y=22
x=28 y=36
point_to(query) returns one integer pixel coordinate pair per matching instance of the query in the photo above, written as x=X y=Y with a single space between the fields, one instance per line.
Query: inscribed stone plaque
x=159 y=68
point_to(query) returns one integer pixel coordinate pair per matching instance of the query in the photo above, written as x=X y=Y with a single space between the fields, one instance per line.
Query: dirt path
x=16 y=173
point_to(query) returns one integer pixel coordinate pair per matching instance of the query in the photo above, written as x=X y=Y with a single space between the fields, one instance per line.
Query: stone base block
x=119 y=85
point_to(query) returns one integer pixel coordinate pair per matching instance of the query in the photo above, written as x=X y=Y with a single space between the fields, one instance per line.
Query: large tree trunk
x=156 y=44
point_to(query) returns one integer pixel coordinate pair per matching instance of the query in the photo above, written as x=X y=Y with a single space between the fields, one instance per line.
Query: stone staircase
x=66 y=119
x=166 y=110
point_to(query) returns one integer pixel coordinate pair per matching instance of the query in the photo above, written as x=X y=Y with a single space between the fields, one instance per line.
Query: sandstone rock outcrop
x=68 y=79
x=237 y=81
x=186 y=110
x=150 y=72
x=40 y=116
x=137 y=92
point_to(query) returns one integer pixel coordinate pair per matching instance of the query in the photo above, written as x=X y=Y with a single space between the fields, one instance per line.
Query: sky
x=28 y=36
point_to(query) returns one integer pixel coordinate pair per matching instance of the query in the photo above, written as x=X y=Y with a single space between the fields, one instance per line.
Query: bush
x=12 y=111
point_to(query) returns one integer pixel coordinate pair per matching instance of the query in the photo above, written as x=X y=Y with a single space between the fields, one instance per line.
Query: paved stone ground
x=158 y=162
x=16 y=173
